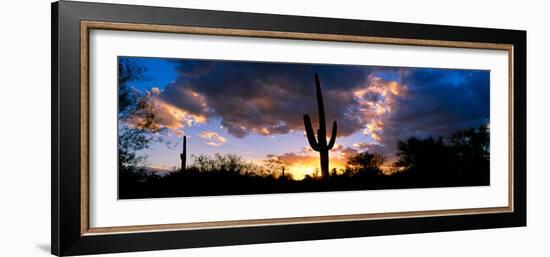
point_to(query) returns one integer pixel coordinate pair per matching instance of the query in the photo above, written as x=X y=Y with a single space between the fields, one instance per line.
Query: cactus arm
x=309 y=133
x=333 y=136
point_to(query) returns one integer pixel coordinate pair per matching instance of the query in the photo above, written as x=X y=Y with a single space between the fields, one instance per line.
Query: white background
x=25 y=128
x=106 y=210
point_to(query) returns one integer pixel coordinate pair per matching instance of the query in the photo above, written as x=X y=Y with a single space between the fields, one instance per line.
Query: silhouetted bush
x=365 y=164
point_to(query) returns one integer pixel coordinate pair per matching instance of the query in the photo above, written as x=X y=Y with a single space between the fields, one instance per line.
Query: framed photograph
x=177 y=128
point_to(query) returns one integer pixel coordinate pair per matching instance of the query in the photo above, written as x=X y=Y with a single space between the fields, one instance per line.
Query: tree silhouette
x=461 y=158
x=136 y=109
x=319 y=144
x=425 y=157
x=128 y=71
x=470 y=154
x=365 y=164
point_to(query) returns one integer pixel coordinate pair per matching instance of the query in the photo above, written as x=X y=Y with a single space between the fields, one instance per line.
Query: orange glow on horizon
x=299 y=171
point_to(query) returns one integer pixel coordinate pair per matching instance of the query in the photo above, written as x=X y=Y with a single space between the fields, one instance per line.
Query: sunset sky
x=255 y=109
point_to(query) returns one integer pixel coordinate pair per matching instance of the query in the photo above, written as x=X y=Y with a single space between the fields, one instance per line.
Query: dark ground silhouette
x=459 y=160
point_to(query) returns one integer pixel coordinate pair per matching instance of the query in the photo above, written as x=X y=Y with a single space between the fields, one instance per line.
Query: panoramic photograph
x=193 y=127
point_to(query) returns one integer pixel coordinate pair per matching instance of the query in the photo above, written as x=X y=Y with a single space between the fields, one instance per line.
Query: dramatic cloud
x=336 y=148
x=376 y=103
x=339 y=151
x=380 y=104
x=167 y=115
x=156 y=114
x=374 y=148
x=348 y=152
x=213 y=138
x=265 y=98
x=437 y=103
x=362 y=145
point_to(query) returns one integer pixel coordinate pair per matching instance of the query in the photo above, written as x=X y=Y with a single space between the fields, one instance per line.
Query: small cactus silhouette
x=319 y=144
x=183 y=155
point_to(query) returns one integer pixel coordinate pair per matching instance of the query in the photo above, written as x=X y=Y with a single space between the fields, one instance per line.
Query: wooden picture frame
x=71 y=25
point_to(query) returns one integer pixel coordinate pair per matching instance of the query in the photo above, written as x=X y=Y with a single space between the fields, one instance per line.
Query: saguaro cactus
x=183 y=155
x=319 y=144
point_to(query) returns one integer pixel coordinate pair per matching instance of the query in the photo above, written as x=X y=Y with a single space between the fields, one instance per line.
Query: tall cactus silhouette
x=319 y=144
x=183 y=155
